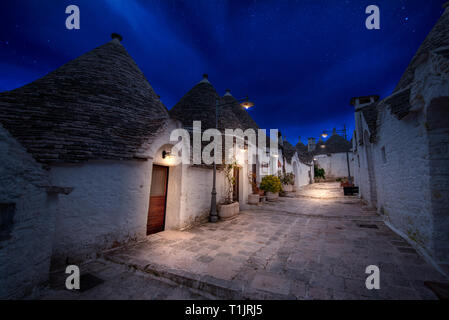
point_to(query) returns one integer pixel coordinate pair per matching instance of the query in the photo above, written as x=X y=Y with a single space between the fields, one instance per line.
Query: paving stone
x=297 y=248
x=271 y=283
x=205 y=259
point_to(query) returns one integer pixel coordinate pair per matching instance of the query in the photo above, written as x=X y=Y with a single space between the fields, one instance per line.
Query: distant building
x=334 y=155
x=401 y=148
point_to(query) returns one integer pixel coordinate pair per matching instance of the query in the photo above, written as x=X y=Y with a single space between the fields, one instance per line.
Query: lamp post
x=213 y=215
x=324 y=135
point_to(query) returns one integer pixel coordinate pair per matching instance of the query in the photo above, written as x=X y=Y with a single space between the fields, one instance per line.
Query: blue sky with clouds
x=299 y=61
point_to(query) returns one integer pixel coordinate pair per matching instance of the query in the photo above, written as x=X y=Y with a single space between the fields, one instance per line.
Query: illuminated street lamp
x=245 y=103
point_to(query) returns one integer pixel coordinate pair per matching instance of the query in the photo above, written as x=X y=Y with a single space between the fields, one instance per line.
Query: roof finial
x=116 y=36
x=205 y=78
x=228 y=93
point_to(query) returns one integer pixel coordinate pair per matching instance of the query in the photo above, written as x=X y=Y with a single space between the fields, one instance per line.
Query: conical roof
x=335 y=144
x=289 y=150
x=301 y=147
x=98 y=106
x=437 y=38
x=242 y=115
x=198 y=104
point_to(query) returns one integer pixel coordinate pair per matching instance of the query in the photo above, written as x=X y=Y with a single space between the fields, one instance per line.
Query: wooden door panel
x=158 y=193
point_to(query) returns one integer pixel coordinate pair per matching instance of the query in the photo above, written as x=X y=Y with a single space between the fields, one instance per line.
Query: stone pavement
x=315 y=246
x=120 y=283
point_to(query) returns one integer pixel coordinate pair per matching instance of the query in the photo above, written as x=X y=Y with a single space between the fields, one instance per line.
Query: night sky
x=299 y=61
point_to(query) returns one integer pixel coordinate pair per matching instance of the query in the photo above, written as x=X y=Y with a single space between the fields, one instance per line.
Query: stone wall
x=402 y=175
x=410 y=158
x=107 y=207
x=438 y=130
x=335 y=164
x=26 y=235
x=301 y=171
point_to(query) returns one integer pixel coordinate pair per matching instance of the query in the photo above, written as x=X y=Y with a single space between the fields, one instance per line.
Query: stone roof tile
x=98 y=106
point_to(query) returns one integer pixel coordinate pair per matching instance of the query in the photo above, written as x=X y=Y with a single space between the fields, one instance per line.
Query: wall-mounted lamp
x=166 y=154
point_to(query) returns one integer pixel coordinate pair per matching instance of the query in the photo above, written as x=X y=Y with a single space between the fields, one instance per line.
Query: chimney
x=116 y=36
x=334 y=131
x=311 y=144
x=299 y=139
x=360 y=102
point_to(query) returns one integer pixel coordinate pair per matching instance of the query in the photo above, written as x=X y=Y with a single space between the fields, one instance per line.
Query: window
x=7 y=211
x=384 y=155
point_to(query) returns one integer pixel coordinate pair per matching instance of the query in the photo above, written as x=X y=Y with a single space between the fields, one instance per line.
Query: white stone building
x=86 y=166
x=401 y=148
x=335 y=156
x=297 y=162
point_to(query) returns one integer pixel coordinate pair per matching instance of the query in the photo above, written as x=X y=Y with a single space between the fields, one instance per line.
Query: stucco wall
x=107 y=207
x=402 y=178
x=410 y=161
x=24 y=251
x=335 y=164
x=301 y=171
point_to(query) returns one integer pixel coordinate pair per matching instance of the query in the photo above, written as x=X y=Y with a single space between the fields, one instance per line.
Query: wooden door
x=235 y=189
x=158 y=199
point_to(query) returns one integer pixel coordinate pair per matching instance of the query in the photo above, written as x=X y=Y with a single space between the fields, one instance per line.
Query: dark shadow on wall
x=438 y=131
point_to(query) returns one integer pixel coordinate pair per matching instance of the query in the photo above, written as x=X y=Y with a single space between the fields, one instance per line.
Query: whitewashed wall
x=300 y=170
x=335 y=164
x=107 y=207
x=411 y=161
x=403 y=184
x=25 y=255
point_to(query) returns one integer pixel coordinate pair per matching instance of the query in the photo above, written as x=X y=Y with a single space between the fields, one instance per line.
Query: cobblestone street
x=314 y=246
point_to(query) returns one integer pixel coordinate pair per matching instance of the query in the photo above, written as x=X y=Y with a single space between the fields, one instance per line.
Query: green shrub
x=319 y=172
x=287 y=178
x=271 y=184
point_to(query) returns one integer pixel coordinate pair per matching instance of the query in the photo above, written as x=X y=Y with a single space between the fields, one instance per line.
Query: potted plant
x=319 y=173
x=287 y=180
x=253 y=198
x=230 y=207
x=271 y=185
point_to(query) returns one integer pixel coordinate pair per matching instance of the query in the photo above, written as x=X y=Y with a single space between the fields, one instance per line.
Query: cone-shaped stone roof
x=98 y=106
x=437 y=38
x=335 y=144
x=242 y=115
x=289 y=150
x=301 y=147
x=198 y=104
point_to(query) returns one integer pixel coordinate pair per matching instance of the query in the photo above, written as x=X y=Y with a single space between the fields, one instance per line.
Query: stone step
x=217 y=288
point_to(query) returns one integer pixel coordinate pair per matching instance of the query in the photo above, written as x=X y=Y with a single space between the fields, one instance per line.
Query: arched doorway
x=165 y=191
